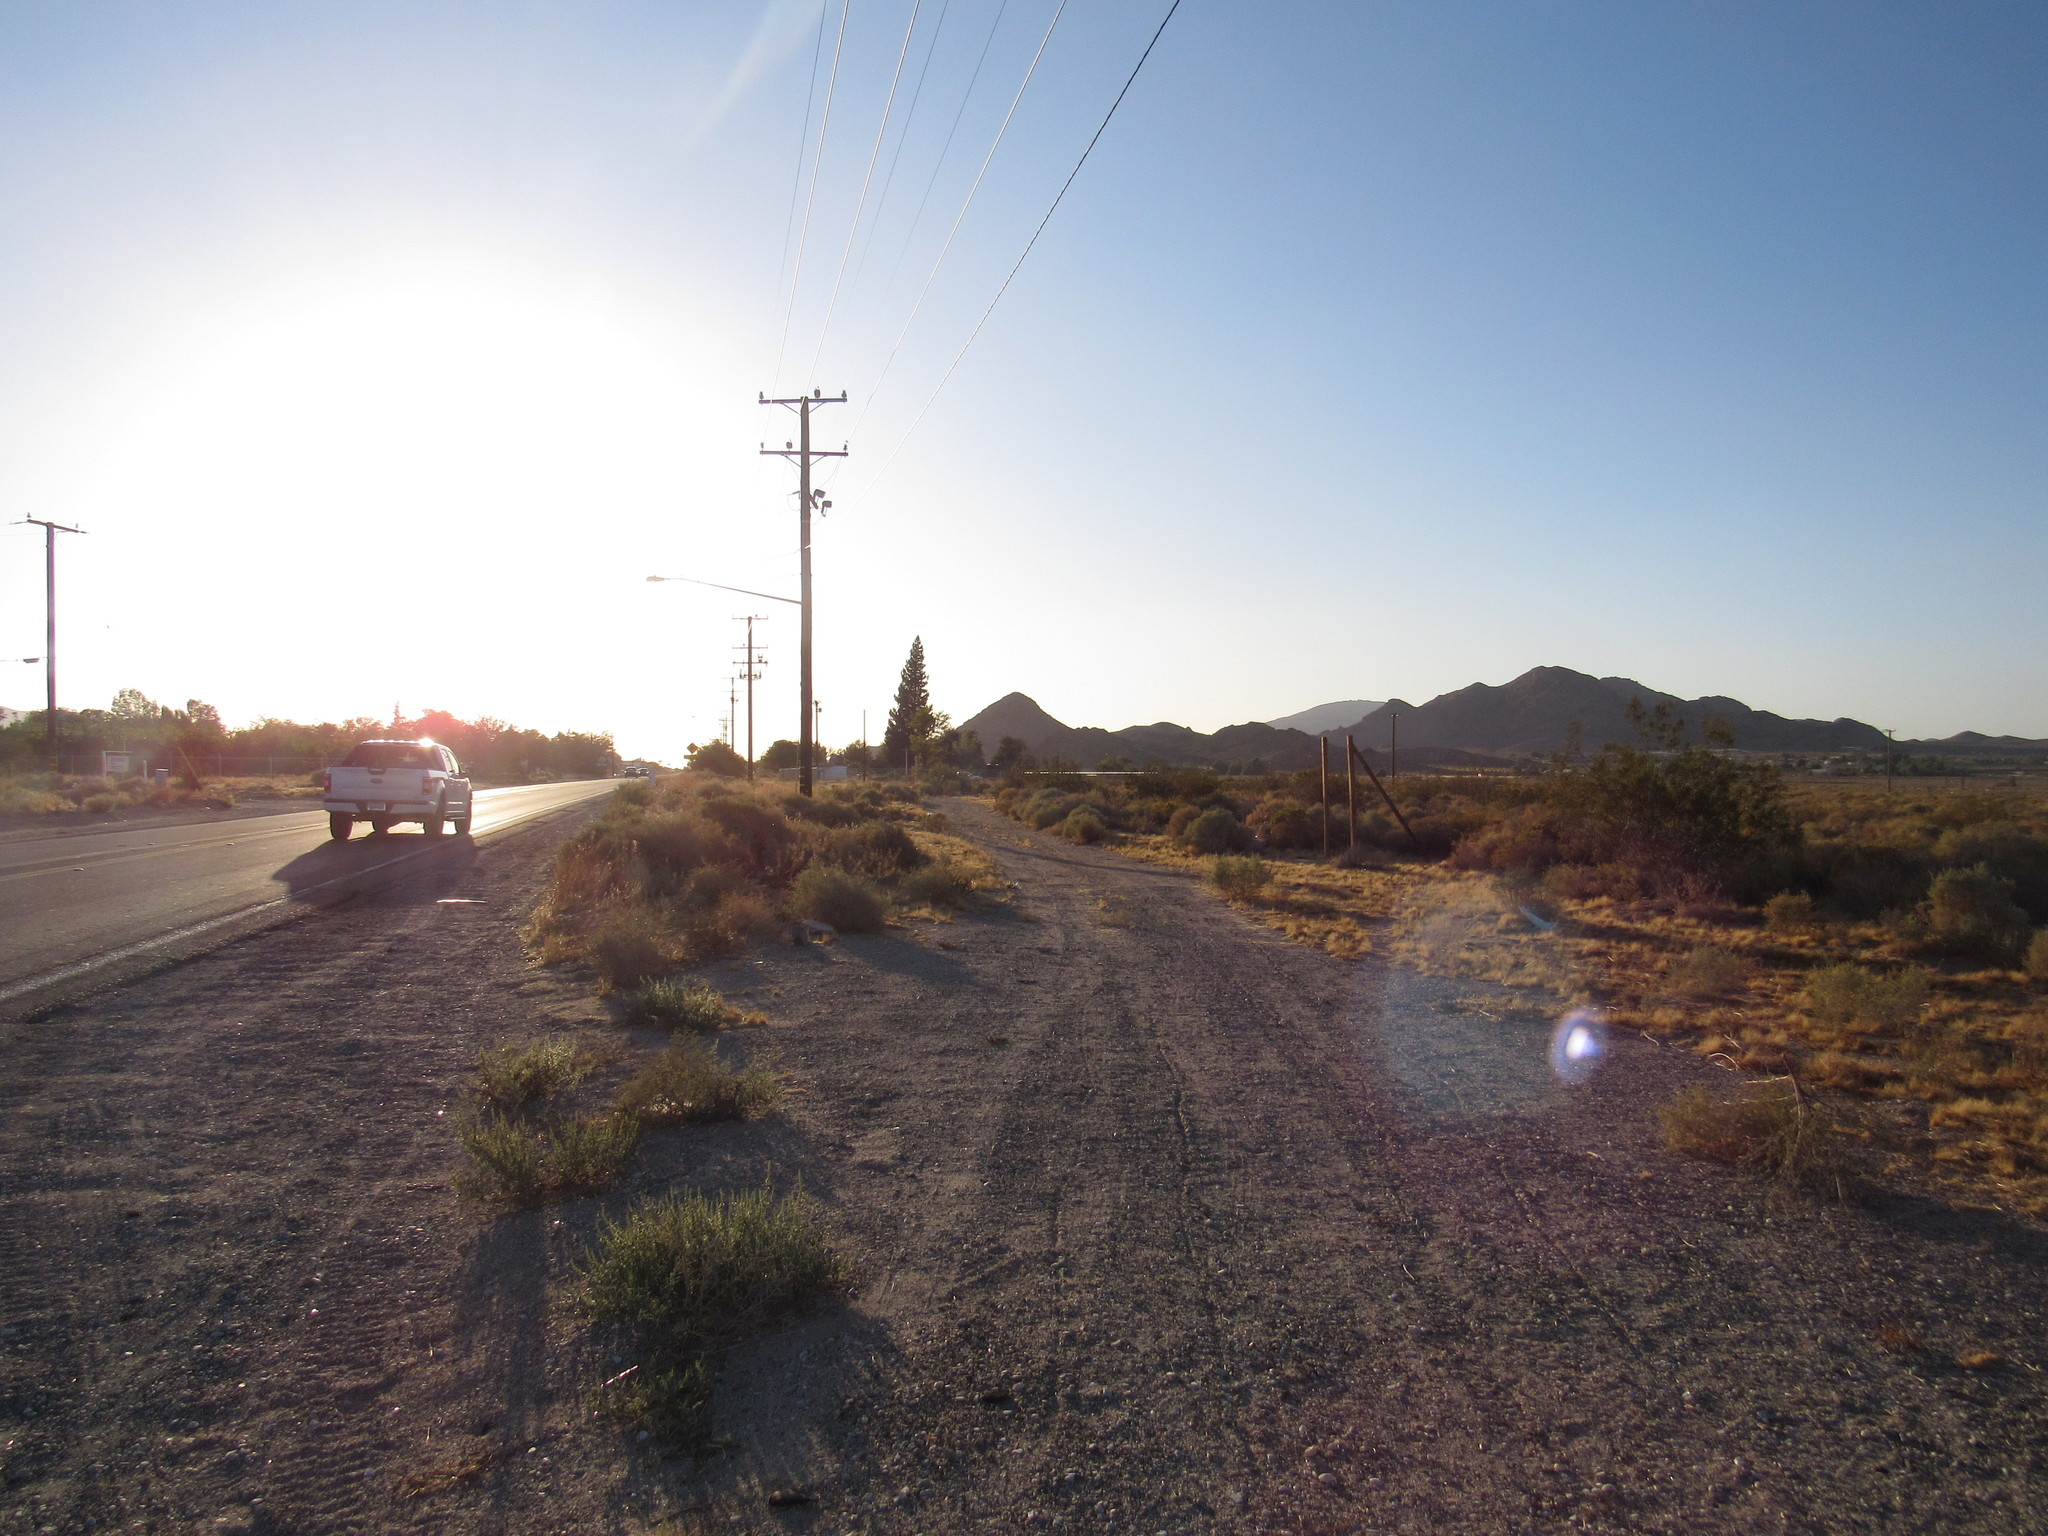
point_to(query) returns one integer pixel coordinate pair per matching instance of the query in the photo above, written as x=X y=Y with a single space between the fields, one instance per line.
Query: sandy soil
x=1226 y=1235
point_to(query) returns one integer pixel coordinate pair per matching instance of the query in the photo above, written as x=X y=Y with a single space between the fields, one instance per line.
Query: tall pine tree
x=911 y=721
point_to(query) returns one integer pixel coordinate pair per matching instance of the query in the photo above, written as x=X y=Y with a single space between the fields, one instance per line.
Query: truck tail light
x=327 y=782
x=426 y=785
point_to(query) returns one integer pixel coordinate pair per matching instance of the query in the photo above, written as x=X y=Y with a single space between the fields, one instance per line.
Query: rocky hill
x=1544 y=710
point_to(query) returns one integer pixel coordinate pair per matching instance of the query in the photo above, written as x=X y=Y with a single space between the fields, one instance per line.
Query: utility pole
x=50 y=532
x=803 y=453
x=1887 y=762
x=1394 y=749
x=754 y=659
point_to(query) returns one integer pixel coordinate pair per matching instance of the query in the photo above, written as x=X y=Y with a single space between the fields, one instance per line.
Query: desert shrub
x=1171 y=784
x=1710 y=972
x=637 y=794
x=1767 y=1129
x=1524 y=839
x=514 y=1075
x=626 y=951
x=741 y=916
x=1847 y=995
x=100 y=804
x=521 y=1164
x=938 y=884
x=1214 y=831
x=1240 y=877
x=848 y=903
x=1083 y=825
x=876 y=850
x=1177 y=823
x=16 y=800
x=680 y=1005
x=1790 y=912
x=1971 y=911
x=821 y=811
x=688 y=1083
x=2007 y=851
x=756 y=827
x=1287 y=824
x=942 y=779
x=2037 y=955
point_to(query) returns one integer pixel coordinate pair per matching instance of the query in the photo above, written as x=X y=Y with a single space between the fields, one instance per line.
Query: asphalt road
x=77 y=905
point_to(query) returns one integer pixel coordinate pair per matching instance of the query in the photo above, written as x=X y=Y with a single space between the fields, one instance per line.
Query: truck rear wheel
x=339 y=826
x=462 y=821
x=431 y=825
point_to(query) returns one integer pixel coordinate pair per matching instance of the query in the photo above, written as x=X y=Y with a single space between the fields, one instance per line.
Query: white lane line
x=87 y=967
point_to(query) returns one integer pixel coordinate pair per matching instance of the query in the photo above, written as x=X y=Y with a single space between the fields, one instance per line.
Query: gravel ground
x=1160 y=1224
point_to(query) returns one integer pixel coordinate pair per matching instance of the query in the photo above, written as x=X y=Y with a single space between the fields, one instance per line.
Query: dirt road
x=1224 y=1235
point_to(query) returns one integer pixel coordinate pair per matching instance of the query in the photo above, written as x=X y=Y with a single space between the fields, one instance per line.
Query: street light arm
x=746 y=591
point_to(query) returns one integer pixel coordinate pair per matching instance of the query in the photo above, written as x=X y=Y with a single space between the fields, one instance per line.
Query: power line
x=817 y=160
x=803 y=140
x=957 y=222
x=1005 y=288
x=867 y=180
x=902 y=138
x=939 y=164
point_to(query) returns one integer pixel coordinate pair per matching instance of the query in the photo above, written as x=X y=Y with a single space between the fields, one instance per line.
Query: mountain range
x=1546 y=709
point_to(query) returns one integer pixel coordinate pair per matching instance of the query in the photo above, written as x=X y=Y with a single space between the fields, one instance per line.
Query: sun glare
x=470 y=461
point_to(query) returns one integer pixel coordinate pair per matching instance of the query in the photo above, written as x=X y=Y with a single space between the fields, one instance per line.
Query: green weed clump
x=519 y=1164
x=512 y=1076
x=847 y=902
x=680 y=1005
x=1240 y=877
x=688 y=1084
x=1848 y=996
x=693 y=1274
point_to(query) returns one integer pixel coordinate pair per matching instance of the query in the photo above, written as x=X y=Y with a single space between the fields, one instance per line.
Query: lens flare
x=1578 y=1045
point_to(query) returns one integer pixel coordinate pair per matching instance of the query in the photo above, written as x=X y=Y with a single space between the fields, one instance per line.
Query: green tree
x=780 y=755
x=716 y=757
x=134 y=704
x=911 y=721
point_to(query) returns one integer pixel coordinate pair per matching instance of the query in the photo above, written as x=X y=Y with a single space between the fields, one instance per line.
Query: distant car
x=386 y=782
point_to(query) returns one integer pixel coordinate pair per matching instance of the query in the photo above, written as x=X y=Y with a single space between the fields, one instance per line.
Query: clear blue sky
x=1379 y=349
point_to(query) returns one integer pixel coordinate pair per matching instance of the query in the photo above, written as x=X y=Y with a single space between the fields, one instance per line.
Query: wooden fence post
x=1350 y=793
x=1324 y=742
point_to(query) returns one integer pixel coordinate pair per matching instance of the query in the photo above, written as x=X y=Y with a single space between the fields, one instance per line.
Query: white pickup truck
x=383 y=782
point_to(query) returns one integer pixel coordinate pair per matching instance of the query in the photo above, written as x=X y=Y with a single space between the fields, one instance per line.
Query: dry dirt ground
x=1225 y=1236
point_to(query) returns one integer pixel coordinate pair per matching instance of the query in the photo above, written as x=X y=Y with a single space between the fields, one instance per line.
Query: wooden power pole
x=807 y=501
x=50 y=532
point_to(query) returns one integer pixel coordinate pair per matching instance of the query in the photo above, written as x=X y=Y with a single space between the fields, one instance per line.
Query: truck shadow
x=410 y=869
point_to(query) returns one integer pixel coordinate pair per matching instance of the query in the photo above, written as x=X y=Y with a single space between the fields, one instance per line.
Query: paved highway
x=75 y=904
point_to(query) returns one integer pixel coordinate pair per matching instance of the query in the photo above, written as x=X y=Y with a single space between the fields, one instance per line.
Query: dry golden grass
x=1969 y=1040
